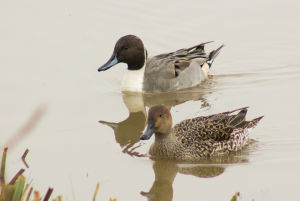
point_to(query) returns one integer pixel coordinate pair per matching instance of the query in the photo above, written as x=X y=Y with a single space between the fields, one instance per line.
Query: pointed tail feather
x=254 y=122
x=232 y=111
x=229 y=112
x=199 y=46
x=212 y=55
x=239 y=118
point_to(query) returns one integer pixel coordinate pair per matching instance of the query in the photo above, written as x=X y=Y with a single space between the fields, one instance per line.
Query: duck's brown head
x=130 y=50
x=159 y=122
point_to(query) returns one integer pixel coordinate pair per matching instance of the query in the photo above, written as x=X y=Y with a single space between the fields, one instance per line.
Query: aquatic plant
x=18 y=189
x=235 y=196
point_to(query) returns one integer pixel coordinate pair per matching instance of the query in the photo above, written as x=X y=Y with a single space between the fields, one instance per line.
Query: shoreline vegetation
x=18 y=189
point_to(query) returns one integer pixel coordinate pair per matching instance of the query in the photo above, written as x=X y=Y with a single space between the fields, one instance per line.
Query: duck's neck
x=163 y=145
x=133 y=80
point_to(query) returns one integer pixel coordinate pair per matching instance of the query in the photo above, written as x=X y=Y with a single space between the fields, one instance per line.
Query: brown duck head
x=129 y=49
x=159 y=122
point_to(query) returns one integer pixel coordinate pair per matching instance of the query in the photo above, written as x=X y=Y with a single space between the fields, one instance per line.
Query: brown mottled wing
x=216 y=127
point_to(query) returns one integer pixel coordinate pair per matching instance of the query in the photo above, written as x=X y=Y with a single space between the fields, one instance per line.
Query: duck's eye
x=125 y=48
x=160 y=115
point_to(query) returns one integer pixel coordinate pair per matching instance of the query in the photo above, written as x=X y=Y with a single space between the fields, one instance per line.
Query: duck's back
x=160 y=76
x=176 y=70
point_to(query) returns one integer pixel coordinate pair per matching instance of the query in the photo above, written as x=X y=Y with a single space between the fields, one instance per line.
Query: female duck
x=193 y=139
x=172 y=71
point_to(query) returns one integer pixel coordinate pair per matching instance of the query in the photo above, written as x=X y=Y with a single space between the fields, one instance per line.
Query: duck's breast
x=133 y=80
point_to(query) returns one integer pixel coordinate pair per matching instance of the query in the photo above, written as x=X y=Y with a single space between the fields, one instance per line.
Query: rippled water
x=50 y=52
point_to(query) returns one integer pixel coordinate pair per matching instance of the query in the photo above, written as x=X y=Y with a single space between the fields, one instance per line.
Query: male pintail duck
x=172 y=71
x=196 y=138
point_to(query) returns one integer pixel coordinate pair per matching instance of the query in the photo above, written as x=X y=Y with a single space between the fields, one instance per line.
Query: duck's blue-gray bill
x=149 y=132
x=110 y=63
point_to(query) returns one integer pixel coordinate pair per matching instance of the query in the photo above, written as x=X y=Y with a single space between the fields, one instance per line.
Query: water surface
x=50 y=52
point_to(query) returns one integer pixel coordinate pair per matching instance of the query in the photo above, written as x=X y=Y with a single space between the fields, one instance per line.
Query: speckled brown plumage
x=203 y=136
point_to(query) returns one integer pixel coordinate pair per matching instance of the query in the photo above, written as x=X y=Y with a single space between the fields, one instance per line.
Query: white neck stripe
x=133 y=79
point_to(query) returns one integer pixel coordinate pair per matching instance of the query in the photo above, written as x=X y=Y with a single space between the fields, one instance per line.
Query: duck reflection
x=127 y=132
x=165 y=172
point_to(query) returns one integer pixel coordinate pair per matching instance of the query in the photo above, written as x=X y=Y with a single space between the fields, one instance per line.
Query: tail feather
x=199 y=46
x=212 y=55
x=239 y=118
x=254 y=122
x=232 y=111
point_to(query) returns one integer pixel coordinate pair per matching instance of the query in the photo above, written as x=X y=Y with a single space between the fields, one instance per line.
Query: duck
x=181 y=69
x=197 y=138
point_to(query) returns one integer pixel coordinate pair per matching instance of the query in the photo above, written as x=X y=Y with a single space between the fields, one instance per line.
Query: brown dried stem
x=14 y=179
x=23 y=157
x=48 y=194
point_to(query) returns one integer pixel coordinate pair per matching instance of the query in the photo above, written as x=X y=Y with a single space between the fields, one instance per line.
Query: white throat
x=205 y=69
x=133 y=80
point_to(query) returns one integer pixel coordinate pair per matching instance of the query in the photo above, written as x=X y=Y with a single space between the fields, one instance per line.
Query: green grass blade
x=2 y=192
x=9 y=192
x=3 y=162
x=20 y=183
x=235 y=196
